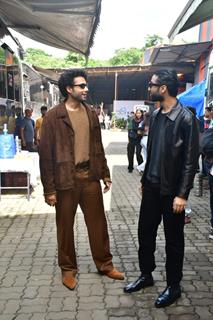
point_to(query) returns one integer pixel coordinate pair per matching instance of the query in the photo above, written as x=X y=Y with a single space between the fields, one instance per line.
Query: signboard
x=122 y=108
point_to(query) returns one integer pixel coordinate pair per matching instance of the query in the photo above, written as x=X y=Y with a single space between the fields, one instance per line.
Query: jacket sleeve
x=46 y=154
x=151 y=120
x=190 y=154
x=105 y=174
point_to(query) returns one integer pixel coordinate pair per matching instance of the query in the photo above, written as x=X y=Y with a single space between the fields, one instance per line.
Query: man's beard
x=79 y=98
x=157 y=97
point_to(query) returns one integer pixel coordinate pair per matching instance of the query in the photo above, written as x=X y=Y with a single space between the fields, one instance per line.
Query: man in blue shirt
x=18 y=122
x=28 y=131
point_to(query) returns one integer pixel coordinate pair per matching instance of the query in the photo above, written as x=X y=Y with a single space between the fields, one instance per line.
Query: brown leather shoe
x=69 y=280
x=114 y=274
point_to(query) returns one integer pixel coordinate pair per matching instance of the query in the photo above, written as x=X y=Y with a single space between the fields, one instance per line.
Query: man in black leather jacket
x=173 y=149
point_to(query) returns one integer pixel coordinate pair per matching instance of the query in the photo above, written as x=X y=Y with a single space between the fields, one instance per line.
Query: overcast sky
x=125 y=24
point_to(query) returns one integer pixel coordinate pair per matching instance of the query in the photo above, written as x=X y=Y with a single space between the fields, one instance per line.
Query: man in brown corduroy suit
x=72 y=163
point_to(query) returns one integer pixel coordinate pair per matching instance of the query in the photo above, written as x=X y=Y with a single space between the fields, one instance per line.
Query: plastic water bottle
x=5 y=129
x=18 y=144
x=188 y=209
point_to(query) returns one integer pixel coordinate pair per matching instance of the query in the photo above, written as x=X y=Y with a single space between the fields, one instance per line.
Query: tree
x=97 y=63
x=152 y=40
x=126 y=56
x=40 y=58
x=121 y=57
x=75 y=59
x=2 y=56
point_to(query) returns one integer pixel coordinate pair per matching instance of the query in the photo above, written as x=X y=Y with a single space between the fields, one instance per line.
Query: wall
x=205 y=34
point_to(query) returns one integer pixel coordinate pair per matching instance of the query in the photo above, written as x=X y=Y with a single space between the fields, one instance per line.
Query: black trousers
x=29 y=147
x=154 y=207
x=132 y=145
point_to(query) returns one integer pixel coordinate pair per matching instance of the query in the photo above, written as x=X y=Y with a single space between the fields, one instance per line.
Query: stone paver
x=30 y=284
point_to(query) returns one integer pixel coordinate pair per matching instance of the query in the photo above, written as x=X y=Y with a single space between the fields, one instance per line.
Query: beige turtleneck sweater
x=80 y=123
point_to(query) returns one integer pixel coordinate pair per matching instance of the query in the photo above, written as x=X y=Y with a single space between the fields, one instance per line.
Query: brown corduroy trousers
x=88 y=195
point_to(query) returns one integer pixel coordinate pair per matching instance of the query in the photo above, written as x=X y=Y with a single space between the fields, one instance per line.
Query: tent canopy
x=63 y=24
x=194 y=13
x=194 y=97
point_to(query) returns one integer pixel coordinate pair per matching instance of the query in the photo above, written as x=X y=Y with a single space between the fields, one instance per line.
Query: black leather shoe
x=142 y=282
x=168 y=296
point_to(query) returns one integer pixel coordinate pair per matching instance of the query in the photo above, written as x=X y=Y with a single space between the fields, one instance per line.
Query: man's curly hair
x=66 y=79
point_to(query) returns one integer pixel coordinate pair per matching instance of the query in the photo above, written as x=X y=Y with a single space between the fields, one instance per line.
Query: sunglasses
x=81 y=85
x=152 y=84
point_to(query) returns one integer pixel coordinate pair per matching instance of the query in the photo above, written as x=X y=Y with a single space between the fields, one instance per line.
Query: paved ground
x=30 y=286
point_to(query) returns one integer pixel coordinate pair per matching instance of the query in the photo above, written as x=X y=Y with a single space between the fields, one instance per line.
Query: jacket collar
x=61 y=112
x=172 y=115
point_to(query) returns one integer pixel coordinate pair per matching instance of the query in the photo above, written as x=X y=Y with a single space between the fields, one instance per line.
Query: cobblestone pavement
x=30 y=284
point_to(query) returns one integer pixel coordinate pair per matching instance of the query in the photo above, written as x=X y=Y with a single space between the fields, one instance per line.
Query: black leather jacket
x=180 y=151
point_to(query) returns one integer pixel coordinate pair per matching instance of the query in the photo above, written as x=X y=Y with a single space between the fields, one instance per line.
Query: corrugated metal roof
x=186 y=53
x=195 y=12
x=64 y=24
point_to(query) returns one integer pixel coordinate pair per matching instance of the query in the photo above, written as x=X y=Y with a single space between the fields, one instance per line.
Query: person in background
x=144 y=140
x=172 y=158
x=205 y=119
x=3 y=117
x=28 y=131
x=101 y=116
x=208 y=164
x=204 y=123
x=11 y=120
x=107 y=122
x=145 y=129
x=134 y=138
x=130 y=118
x=72 y=163
x=188 y=208
x=38 y=124
x=18 y=122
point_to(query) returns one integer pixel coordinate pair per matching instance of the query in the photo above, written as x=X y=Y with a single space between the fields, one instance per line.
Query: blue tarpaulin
x=194 y=97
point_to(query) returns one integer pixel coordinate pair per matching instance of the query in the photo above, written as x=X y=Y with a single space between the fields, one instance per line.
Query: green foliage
x=113 y=119
x=126 y=56
x=2 y=56
x=40 y=58
x=121 y=57
x=36 y=52
x=120 y=123
x=74 y=58
x=97 y=63
x=152 y=40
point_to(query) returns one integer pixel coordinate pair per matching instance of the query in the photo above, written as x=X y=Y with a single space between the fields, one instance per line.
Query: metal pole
x=116 y=86
x=21 y=86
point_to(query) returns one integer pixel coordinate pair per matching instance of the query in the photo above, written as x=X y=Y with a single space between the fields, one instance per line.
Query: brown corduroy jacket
x=56 y=150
